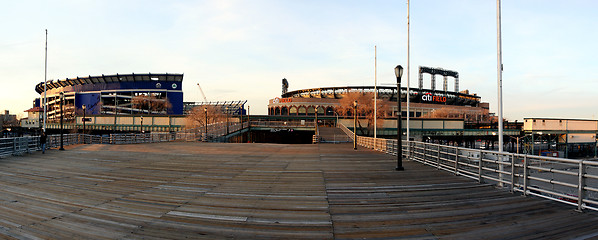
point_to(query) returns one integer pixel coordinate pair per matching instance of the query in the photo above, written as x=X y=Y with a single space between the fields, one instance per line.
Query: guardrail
x=569 y=181
x=283 y=124
x=20 y=145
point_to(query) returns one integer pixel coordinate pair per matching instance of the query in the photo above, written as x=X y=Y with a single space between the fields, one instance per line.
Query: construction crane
x=202 y=94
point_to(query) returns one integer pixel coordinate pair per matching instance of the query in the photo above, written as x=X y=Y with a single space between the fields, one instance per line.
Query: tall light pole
x=499 y=80
x=61 y=121
x=205 y=110
x=249 y=122
x=355 y=125
x=45 y=100
x=375 y=93
x=316 y=112
x=226 y=120
x=398 y=74
x=84 y=118
x=141 y=126
x=408 y=79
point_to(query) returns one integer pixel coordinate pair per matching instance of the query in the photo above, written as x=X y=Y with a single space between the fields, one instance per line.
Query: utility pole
x=499 y=83
x=45 y=100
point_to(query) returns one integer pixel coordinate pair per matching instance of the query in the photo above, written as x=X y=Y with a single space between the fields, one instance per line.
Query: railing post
x=456 y=161
x=525 y=174
x=580 y=187
x=423 y=155
x=481 y=167
x=438 y=158
x=512 y=190
x=14 y=146
x=411 y=149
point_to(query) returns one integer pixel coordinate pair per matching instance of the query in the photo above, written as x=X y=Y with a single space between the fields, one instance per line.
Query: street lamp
x=317 y=120
x=399 y=73
x=226 y=120
x=205 y=110
x=141 y=127
x=61 y=121
x=355 y=125
x=84 y=118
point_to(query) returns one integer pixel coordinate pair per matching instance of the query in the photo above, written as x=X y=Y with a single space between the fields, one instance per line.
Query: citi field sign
x=428 y=97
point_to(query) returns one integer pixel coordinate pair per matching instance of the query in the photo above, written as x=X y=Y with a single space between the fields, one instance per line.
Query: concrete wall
x=539 y=124
x=581 y=138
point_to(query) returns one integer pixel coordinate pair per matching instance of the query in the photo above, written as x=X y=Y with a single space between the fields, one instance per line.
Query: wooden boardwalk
x=261 y=191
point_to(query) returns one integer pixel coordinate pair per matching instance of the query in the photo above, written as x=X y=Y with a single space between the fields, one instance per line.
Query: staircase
x=333 y=135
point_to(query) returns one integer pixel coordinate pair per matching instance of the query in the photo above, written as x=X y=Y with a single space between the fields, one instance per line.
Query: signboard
x=428 y=97
x=282 y=100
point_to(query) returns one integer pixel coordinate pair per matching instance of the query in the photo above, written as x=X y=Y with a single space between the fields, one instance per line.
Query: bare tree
x=197 y=115
x=365 y=109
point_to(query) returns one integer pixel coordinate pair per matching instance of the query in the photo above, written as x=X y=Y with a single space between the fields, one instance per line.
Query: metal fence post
x=424 y=154
x=512 y=173
x=411 y=149
x=456 y=161
x=525 y=174
x=438 y=158
x=481 y=167
x=580 y=187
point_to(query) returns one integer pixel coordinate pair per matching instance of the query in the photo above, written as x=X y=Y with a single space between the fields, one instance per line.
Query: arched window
x=321 y=110
x=311 y=110
x=284 y=111
x=293 y=111
x=302 y=110
x=277 y=111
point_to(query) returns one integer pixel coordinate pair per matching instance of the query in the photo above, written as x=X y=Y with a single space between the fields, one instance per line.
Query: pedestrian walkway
x=177 y=190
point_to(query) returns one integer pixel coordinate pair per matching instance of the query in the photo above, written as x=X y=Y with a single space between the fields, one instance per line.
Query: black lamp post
x=84 y=118
x=61 y=121
x=205 y=110
x=355 y=125
x=226 y=120
x=399 y=73
x=316 y=112
x=141 y=127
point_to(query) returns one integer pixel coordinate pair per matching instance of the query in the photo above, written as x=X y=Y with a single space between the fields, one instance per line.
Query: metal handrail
x=28 y=144
x=570 y=181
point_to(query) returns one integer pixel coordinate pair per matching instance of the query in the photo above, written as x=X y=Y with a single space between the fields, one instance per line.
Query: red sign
x=282 y=100
x=428 y=97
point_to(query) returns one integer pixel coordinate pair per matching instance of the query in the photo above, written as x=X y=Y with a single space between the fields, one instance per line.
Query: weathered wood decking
x=257 y=191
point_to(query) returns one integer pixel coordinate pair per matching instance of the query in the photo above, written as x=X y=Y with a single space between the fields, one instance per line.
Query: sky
x=241 y=49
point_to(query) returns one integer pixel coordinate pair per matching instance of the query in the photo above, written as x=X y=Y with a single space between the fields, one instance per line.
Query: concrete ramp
x=333 y=135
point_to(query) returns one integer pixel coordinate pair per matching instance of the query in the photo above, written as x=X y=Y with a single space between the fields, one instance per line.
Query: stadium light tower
x=399 y=74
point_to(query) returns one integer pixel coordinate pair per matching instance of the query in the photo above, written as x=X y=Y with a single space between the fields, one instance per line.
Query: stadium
x=118 y=94
x=424 y=103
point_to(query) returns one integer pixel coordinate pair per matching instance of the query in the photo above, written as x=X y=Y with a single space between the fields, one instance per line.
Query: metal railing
x=569 y=181
x=283 y=124
x=20 y=145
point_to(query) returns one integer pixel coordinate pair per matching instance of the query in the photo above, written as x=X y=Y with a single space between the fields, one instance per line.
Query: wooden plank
x=260 y=191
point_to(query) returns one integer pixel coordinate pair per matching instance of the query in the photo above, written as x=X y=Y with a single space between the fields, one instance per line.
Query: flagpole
x=45 y=100
x=499 y=83
x=499 y=70
x=408 y=72
x=375 y=90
